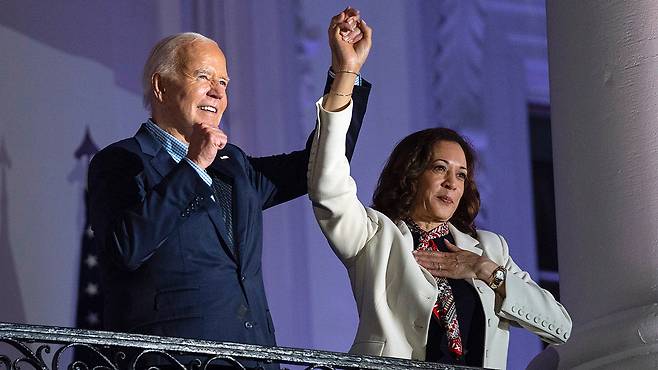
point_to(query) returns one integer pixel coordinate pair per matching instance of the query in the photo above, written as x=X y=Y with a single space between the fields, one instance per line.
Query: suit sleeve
x=528 y=305
x=344 y=220
x=281 y=178
x=131 y=218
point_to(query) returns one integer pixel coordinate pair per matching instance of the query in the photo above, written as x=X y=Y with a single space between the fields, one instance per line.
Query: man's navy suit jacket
x=166 y=266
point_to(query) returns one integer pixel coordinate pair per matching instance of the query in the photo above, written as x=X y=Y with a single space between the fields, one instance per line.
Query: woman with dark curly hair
x=398 y=183
x=428 y=285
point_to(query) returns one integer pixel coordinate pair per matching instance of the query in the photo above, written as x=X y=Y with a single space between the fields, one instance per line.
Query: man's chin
x=212 y=123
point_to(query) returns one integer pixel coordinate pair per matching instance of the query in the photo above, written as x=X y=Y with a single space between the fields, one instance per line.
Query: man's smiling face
x=196 y=92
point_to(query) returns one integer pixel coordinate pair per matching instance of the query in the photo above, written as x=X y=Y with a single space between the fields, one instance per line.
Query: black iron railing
x=46 y=347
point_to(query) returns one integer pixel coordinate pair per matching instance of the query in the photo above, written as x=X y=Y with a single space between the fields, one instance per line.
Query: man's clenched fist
x=205 y=141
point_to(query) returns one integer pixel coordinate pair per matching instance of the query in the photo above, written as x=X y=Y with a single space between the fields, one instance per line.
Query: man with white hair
x=177 y=209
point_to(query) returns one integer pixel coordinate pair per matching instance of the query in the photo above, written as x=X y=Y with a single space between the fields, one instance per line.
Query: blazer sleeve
x=528 y=305
x=343 y=219
x=280 y=178
x=132 y=218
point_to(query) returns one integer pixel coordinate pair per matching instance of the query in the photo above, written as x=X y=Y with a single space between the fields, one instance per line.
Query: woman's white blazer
x=394 y=295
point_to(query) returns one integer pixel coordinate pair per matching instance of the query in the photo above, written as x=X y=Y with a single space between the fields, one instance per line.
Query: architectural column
x=603 y=58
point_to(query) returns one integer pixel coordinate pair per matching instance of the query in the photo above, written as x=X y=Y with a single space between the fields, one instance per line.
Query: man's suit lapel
x=161 y=161
x=222 y=231
x=231 y=247
x=229 y=169
x=163 y=164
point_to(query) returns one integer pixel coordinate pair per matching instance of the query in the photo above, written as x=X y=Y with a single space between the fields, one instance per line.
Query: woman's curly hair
x=398 y=182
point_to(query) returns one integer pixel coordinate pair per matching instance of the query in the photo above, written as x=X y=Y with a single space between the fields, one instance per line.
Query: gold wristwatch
x=498 y=277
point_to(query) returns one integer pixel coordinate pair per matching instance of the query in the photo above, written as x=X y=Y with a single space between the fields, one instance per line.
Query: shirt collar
x=176 y=148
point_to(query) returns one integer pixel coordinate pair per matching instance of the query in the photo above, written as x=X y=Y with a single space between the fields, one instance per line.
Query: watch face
x=500 y=275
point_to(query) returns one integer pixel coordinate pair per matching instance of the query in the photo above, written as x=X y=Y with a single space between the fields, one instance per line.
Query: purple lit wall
x=68 y=66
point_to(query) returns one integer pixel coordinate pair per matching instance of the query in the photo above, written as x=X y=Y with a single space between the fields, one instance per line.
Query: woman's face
x=441 y=186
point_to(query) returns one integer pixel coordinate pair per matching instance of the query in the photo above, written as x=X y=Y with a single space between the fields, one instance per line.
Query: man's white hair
x=164 y=59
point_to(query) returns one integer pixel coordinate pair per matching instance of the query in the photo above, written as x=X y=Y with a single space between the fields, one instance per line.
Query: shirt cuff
x=357 y=80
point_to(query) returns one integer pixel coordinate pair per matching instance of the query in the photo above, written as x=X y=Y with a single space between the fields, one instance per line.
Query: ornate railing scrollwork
x=121 y=351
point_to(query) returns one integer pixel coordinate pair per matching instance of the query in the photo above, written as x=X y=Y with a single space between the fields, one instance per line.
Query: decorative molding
x=454 y=31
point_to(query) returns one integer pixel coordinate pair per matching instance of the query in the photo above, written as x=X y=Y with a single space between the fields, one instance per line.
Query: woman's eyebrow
x=446 y=161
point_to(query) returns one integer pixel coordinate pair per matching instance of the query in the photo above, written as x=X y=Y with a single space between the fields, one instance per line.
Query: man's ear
x=158 y=87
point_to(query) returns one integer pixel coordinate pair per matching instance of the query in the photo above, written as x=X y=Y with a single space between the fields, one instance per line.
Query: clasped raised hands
x=350 y=40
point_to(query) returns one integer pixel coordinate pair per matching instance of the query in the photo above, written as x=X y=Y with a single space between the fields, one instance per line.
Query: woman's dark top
x=469 y=314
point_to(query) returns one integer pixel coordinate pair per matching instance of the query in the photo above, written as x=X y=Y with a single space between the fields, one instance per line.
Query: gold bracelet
x=339 y=94
x=348 y=71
